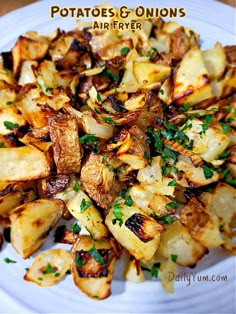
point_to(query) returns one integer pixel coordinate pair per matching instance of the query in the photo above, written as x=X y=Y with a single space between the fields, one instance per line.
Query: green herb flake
x=9 y=261
x=161 y=91
x=76 y=186
x=78 y=261
x=226 y=128
x=168 y=154
x=206 y=122
x=49 y=269
x=75 y=228
x=208 y=173
x=128 y=200
x=88 y=139
x=57 y=275
x=108 y=120
x=85 y=205
x=104 y=158
x=172 y=183
x=2 y=145
x=9 y=103
x=173 y=204
x=148 y=157
x=10 y=125
x=185 y=107
x=96 y=255
x=168 y=220
x=40 y=278
x=99 y=99
x=110 y=75
x=224 y=155
x=174 y=257
x=154 y=270
x=167 y=170
x=124 y=50
x=117 y=212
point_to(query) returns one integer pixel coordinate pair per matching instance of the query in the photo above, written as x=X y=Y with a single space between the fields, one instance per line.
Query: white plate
x=214 y=22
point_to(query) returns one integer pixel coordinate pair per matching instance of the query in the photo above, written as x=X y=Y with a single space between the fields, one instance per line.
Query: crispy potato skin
x=99 y=180
x=66 y=148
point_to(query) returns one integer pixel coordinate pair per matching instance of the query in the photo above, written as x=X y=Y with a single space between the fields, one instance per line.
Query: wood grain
x=7 y=6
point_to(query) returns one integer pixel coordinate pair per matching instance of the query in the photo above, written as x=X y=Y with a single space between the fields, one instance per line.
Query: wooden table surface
x=10 y=5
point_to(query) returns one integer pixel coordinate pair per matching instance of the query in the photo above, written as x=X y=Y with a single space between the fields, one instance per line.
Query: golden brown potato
x=201 y=224
x=27 y=49
x=92 y=266
x=134 y=230
x=23 y=163
x=66 y=148
x=81 y=207
x=134 y=151
x=49 y=267
x=99 y=179
x=175 y=240
x=191 y=81
x=31 y=224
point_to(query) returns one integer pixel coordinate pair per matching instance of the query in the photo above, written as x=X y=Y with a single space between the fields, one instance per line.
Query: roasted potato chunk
x=191 y=80
x=80 y=206
x=27 y=49
x=137 y=232
x=49 y=267
x=99 y=179
x=31 y=224
x=66 y=148
x=175 y=240
x=92 y=266
x=201 y=224
x=23 y=163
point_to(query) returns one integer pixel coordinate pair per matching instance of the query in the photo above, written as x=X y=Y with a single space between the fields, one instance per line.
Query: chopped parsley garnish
x=75 y=228
x=148 y=157
x=128 y=200
x=57 y=275
x=224 y=155
x=166 y=219
x=78 y=261
x=206 y=122
x=208 y=173
x=124 y=50
x=49 y=269
x=9 y=261
x=174 y=257
x=96 y=255
x=168 y=154
x=123 y=192
x=76 y=186
x=110 y=75
x=10 y=125
x=85 y=205
x=48 y=89
x=99 y=99
x=2 y=145
x=88 y=139
x=108 y=120
x=173 y=204
x=104 y=158
x=9 y=103
x=185 y=107
x=117 y=212
x=226 y=128
x=167 y=170
x=172 y=183
x=161 y=91
x=154 y=269
x=151 y=54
